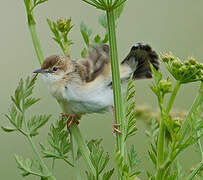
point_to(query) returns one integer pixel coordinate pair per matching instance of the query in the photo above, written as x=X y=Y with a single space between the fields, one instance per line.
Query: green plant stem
x=83 y=148
x=161 y=137
x=48 y=173
x=34 y=148
x=77 y=171
x=195 y=171
x=66 y=46
x=198 y=100
x=36 y=43
x=200 y=145
x=173 y=95
x=118 y=104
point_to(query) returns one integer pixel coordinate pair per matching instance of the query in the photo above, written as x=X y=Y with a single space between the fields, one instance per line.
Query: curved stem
x=36 y=43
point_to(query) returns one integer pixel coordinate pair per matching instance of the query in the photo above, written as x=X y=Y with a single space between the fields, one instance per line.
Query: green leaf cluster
x=127 y=170
x=61 y=30
x=86 y=34
x=99 y=159
x=27 y=165
x=107 y=5
x=97 y=39
x=59 y=142
x=160 y=86
x=22 y=100
x=177 y=135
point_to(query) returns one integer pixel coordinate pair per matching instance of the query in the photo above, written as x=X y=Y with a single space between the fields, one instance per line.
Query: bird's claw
x=115 y=130
x=71 y=119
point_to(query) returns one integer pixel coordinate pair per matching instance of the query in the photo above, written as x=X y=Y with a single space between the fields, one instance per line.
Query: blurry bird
x=85 y=86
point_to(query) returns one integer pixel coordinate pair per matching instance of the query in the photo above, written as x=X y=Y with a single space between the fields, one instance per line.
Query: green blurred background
x=166 y=25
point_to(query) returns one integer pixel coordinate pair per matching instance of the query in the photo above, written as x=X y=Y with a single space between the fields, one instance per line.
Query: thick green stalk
x=118 y=102
x=83 y=148
x=161 y=137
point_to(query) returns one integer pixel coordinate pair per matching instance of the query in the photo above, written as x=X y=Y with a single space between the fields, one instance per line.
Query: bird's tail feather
x=139 y=59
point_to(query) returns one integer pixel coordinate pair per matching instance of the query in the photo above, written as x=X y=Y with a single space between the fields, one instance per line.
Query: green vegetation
x=170 y=136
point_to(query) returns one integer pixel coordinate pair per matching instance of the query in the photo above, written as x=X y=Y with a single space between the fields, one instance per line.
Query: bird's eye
x=55 y=68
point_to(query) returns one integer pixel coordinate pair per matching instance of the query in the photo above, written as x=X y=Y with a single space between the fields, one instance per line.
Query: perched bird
x=85 y=85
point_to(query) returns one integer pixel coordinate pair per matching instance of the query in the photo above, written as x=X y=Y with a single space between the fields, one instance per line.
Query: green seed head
x=61 y=24
x=165 y=86
x=177 y=63
x=64 y=25
x=192 y=61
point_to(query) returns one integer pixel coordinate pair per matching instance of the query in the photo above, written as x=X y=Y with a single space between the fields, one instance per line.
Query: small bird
x=85 y=85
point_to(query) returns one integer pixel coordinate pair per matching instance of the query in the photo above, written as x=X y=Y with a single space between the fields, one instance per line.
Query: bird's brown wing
x=97 y=62
x=139 y=59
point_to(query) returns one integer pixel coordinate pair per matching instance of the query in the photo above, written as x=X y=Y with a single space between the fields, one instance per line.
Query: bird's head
x=53 y=68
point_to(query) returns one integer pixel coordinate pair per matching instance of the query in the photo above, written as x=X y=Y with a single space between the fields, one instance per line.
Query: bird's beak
x=39 y=71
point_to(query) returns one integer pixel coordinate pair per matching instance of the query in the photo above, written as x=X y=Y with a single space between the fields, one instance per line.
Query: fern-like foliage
x=22 y=100
x=129 y=104
x=59 y=142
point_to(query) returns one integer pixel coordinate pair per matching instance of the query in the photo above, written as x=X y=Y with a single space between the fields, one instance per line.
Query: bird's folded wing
x=97 y=63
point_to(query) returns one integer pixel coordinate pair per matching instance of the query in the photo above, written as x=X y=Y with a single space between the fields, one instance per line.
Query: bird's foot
x=115 y=126
x=115 y=130
x=71 y=119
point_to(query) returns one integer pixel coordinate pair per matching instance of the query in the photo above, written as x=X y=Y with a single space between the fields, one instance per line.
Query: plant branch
x=172 y=98
x=200 y=145
x=198 y=100
x=36 y=43
x=83 y=148
x=77 y=171
x=161 y=137
x=195 y=171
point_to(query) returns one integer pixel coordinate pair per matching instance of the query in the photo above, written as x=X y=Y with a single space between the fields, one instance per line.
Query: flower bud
x=177 y=63
x=61 y=24
x=165 y=86
x=192 y=61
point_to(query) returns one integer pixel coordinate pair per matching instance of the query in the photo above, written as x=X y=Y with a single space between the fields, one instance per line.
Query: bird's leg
x=71 y=119
x=115 y=126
